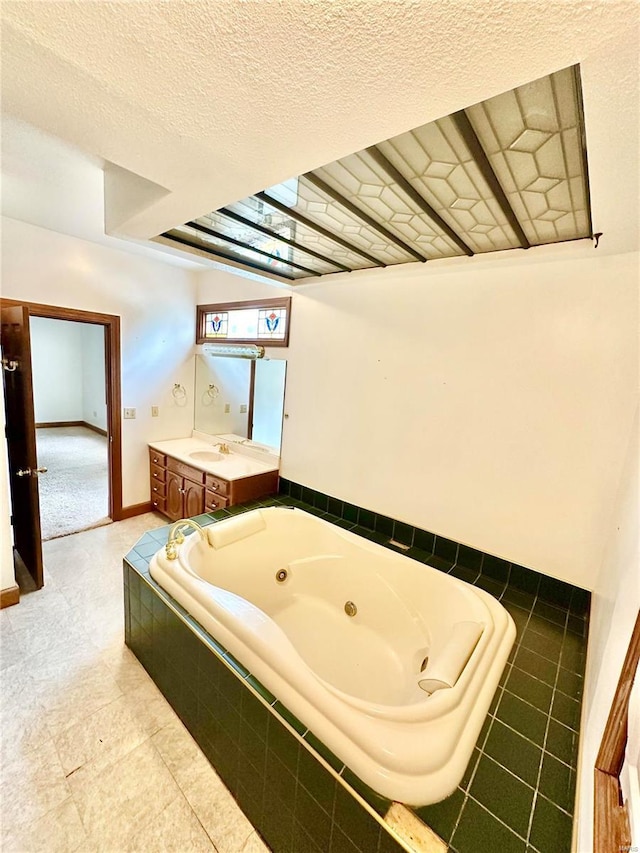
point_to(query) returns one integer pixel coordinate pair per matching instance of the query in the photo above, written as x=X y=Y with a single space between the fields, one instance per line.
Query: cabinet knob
x=182 y=491
x=155 y=503
x=214 y=488
x=155 y=474
x=155 y=458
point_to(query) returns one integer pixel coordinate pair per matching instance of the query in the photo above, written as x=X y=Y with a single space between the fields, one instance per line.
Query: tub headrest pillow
x=445 y=668
x=234 y=529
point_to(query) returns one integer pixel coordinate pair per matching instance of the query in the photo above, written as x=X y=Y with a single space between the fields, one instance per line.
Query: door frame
x=610 y=820
x=111 y=324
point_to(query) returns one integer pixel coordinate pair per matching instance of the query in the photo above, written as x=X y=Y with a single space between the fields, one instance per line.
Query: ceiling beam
x=361 y=215
x=205 y=230
x=231 y=214
x=298 y=217
x=465 y=129
x=170 y=235
x=407 y=187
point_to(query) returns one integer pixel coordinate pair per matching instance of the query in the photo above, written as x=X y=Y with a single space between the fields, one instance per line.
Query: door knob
x=27 y=472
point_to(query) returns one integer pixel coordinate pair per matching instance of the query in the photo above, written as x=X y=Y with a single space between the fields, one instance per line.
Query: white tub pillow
x=234 y=529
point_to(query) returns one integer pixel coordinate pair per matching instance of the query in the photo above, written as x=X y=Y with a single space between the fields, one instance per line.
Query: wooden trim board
x=136 y=509
x=610 y=820
x=9 y=596
x=56 y=424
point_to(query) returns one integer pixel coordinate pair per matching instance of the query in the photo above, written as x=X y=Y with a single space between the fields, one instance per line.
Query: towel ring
x=212 y=391
x=178 y=391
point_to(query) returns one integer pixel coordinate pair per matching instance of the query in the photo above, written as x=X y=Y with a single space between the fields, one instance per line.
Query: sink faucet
x=176 y=536
x=223 y=448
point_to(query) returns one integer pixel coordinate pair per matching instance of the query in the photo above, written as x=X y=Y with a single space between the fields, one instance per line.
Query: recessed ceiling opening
x=507 y=173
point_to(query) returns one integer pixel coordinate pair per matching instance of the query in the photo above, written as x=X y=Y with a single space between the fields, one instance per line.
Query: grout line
x=546 y=735
x=468 y=789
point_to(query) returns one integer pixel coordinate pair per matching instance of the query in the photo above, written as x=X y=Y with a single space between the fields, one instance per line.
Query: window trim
x=203 y=310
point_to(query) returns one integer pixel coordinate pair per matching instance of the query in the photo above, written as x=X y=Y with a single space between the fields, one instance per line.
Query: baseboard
x=97 y=429
x=134 y=509
x=9 y=596
x=53 y=424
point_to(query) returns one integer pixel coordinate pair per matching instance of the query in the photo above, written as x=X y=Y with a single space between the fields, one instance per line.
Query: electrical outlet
x=155 y=411
x=129 y=413
x=227 y=408
x=243 y=408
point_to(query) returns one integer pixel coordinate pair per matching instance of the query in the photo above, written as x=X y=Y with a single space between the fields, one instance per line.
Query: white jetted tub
x=390 y=663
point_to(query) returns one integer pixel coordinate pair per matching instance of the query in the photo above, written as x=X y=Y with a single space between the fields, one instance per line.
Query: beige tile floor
x=93 y=757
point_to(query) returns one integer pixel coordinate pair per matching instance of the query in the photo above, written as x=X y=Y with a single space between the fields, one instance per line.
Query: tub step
x=415 y=834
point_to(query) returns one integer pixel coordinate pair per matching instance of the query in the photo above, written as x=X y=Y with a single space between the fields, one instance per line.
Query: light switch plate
x=129 y=413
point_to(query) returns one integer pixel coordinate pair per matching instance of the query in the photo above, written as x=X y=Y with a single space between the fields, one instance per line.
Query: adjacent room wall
x=68 y=367
x=56 y=366
x=489 y=400
x=94 y=394
x=156 y=304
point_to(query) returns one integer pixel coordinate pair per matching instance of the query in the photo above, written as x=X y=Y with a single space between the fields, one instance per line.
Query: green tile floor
x=518 y=791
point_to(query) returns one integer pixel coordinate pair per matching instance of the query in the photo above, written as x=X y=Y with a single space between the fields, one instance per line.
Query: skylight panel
x=508 y=173
x=533 y=137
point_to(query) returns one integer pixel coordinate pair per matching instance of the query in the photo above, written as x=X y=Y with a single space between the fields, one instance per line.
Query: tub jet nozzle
x=350 y=609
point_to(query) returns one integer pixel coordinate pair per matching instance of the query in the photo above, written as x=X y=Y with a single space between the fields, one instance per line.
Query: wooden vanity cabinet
x=185 y=490
x=158 y=475
x=181 y=491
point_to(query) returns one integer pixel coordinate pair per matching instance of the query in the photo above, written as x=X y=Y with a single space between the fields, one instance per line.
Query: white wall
x=614 y=608
x=56 y=365
x=94 y=394
x=489 y=400
x=156 y=304
x=68 y=367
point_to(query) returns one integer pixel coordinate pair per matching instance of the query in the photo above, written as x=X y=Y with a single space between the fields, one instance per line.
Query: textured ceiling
x=213 y=101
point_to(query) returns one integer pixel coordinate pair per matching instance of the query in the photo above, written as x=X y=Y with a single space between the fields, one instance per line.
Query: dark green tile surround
x=518 y=791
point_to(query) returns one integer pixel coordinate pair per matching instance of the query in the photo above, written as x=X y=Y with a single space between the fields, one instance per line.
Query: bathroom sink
x=206 y=456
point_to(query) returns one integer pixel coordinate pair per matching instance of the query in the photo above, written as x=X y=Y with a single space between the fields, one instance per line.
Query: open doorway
x=69 y=395
x=24 y=471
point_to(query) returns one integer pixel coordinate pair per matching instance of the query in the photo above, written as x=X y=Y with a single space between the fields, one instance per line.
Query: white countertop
x=231 y=466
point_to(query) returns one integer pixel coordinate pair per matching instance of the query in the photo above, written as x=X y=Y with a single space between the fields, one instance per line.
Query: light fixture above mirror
x=250 y=351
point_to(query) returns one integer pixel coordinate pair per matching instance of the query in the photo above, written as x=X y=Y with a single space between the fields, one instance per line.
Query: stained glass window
x=264 y=321
x=216 y=324
x=272 y=323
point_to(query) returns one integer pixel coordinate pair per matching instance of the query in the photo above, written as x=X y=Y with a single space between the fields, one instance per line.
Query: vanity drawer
x=158 y=504
x=193 y=474
x=158 y=473
x=214 y=501
x=158 y=489
x=157 y=458
x=217 y=485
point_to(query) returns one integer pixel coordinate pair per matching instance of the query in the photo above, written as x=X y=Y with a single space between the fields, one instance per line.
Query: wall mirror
x=235 y=396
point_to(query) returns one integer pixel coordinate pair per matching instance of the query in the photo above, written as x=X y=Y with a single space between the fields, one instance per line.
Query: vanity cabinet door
x=174 y=500
x=193 y=499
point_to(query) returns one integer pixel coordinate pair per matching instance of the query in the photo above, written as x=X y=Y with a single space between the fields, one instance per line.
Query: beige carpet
x=74 y=491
